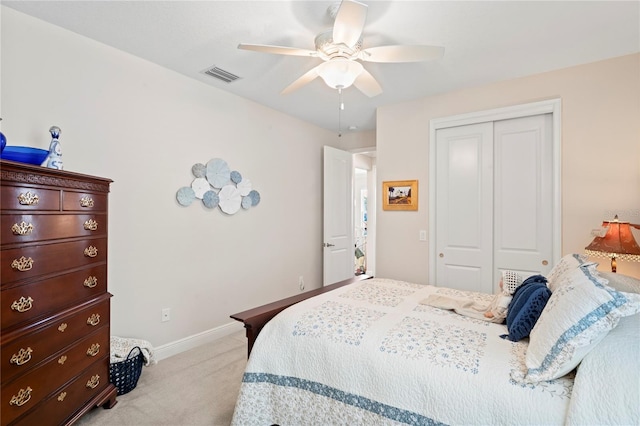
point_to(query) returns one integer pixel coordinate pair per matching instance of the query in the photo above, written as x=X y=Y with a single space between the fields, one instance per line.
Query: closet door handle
x=328 y=245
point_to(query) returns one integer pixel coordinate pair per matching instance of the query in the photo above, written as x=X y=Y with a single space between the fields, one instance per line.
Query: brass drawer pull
x=22 y=357
x=28 y=199
x=91 y=251
x=62 y=360
x=86 y=201
x=62 y=327
x=93 y=382
x=23 y=396
x=23 y=228
x=94 y=349
x=93 y=320
x=62 y=396
x=91 y=225
x=23 y=264
x=23 y=304
x=91 y=282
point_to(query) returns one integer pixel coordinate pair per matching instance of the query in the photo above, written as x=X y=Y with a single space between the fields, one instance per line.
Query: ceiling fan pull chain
x=340 y=108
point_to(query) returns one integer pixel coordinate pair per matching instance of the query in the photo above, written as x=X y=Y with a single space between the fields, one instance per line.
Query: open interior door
x=338 y=238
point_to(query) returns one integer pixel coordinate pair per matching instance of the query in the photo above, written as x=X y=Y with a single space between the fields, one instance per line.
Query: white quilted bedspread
x=371 y=354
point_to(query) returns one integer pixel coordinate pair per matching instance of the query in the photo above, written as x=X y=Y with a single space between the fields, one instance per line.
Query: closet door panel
x=464 y=207
x=522 y=194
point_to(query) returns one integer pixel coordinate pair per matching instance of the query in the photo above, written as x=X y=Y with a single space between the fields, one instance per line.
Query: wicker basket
x=125 y=374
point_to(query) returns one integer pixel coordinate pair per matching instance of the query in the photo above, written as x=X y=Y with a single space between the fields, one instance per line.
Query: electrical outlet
x=301 y=282
x=422 y=235
x=166 y=314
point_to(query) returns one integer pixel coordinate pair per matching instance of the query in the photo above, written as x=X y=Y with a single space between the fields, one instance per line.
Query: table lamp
x=617 y=243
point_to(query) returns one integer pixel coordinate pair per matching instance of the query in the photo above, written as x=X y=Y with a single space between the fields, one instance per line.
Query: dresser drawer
x=66 y=401
x=48 y=377
x=31 y=261
x=25 y=198
x=23 y=353
x=50 y=295
x=83 y=201
x=24 y=228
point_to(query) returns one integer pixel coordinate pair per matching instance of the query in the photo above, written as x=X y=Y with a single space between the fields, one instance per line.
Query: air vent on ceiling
x=221 y=74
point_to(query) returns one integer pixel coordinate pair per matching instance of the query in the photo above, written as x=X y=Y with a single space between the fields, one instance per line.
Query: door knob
x=441 y=255
x=328 y=245
x=545 y=263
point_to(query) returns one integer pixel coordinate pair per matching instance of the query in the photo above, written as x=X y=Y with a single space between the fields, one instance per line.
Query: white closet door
x=523 y=195
x=494 y=201
x=464 y=215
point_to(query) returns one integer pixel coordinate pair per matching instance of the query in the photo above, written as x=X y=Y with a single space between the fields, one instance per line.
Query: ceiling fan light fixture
x=339 y=72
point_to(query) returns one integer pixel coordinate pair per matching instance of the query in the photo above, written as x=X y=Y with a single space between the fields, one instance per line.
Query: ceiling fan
x=341 y=50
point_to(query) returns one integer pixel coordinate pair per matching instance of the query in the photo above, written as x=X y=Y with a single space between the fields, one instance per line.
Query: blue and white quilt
x=371 y=354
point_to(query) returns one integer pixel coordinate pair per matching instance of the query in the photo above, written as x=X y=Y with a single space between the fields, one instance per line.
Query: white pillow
x=606 y=390
x=567 y=264
x=621 y=282
x=579 y=313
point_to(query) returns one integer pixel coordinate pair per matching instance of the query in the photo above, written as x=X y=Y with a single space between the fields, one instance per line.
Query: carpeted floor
x=196 y=387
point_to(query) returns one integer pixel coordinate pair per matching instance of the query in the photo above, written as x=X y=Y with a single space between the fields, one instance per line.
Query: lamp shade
x=339 y=73
x=617 y=243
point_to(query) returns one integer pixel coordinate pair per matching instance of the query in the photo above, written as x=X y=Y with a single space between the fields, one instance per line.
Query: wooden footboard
x=254 y=319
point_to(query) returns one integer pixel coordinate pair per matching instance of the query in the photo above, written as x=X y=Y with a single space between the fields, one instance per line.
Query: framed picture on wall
x=400 y=195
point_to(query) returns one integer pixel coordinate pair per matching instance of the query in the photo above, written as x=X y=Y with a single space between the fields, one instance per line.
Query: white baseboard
x=190 y=342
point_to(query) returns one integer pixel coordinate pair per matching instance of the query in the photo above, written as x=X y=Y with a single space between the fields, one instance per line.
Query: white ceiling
x=484 y=42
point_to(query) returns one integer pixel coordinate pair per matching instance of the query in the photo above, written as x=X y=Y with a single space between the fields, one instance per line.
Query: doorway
x=364 y=194
x=360 y=220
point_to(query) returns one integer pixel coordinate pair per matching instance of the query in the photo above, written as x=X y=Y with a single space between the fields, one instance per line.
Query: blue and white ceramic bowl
x=24 y=154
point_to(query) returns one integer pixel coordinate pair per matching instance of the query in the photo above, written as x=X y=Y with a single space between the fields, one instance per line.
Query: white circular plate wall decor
x=230 y=199
x=200 y=186
x=210 y=199
x=236 y=177
x=246 y=202
x=185 y=196
x=245 y=187
x=218 y=172
x=199 y=170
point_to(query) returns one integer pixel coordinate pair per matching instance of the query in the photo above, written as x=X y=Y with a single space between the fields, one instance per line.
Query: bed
x=371 y=353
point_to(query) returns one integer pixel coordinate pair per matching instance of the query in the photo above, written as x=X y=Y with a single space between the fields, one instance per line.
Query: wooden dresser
x=54 y=345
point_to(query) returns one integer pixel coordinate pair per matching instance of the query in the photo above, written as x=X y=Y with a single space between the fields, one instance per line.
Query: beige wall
x=357 y=141
x=144 y=127
x=600 y=155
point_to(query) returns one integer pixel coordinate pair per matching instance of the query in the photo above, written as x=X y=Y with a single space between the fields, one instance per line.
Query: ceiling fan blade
x=278 y=50
x=349 y=22
x=402 y=53
x=367 y=84
x=306 y=78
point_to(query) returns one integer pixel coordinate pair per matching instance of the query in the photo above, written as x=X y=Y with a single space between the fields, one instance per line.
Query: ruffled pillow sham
x=566 y=265
x=579 y=313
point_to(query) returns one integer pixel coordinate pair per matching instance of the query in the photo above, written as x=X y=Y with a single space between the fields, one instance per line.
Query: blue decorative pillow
x=525 y=308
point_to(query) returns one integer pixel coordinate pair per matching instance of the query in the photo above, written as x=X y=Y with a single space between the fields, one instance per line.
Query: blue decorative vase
x=3 y=142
